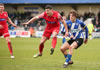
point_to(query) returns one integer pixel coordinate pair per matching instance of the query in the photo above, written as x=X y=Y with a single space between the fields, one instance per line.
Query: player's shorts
x=4 y=33
x=63 y=33
x=48 y=31
x=79 y=42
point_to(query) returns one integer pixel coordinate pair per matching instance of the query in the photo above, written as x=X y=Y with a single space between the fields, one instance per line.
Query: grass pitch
x=87 y=57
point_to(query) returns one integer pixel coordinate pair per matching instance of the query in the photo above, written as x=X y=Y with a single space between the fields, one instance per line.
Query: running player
x=4 y=27
x=76 y=28
x=52 y=19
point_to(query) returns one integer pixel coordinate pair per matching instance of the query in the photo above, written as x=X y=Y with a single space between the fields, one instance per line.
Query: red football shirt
x=52 y=21
x=3 y=20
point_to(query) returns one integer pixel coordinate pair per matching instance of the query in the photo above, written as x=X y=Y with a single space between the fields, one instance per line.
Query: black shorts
x=79 y=42
x=63 y=33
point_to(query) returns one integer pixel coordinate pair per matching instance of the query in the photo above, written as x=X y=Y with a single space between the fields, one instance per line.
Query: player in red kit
x=52 y=19
x=4 y=27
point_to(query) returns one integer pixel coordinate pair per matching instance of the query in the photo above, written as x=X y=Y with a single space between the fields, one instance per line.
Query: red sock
x=54 y=41
x=10 y=47
x=41 y=48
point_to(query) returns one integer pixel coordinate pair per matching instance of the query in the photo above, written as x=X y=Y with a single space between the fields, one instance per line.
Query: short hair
x=48 y=7
x=62 y=13
x=73 y=12
x=1 y=4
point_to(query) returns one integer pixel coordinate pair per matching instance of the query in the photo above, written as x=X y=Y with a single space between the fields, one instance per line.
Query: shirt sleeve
x=86 y=29
x=83 y=25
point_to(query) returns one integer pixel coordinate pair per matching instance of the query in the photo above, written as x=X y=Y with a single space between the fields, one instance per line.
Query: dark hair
x=73 y=12
x=62 y=13
x=48 y=7
x=1 y=4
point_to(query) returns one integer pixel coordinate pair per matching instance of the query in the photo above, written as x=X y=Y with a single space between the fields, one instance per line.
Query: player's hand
x=1 y=27
x=71 y=36
x=66 y=34
x=85 y=41
x=15 y=26
x=25 y=23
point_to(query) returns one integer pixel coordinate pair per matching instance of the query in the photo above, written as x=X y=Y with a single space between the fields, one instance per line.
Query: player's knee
x=70 y=48
x=41 y=43
x=54 y=37
x=8 y=40
x=62 y=49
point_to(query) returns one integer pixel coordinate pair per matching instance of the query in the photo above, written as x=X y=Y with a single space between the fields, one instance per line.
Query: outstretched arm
x=34 y=19
x=31 y=20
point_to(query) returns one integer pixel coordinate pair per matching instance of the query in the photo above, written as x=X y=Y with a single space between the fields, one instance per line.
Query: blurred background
x=86 y=57
x=21 y=11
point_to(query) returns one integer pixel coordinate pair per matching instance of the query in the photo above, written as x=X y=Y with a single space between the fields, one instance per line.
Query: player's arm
x=34 y=19
x=86 y=32
x=64 y=23
x=10 y=22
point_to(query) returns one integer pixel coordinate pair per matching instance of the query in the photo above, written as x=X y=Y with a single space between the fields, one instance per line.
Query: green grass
x=87 y=57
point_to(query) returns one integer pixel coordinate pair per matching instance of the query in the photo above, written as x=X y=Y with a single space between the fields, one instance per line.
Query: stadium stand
x=50 y=1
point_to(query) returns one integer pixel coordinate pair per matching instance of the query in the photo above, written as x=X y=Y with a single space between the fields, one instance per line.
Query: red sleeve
x=41 y=15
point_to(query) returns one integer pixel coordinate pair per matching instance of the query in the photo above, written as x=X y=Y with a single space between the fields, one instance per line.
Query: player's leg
x=64 y=38
x=76 y=44
x=90 y=35
x=65 y=47
x=54 y=41
x=69 y=55
x=9 y=46
x=41 y=46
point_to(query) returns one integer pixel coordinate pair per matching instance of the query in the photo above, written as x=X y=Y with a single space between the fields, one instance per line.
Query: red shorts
x=4 y=33
x=48 y=31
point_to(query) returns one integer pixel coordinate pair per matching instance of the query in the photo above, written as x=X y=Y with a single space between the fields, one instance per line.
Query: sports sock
x=69 y=58
x=41 y=48
x=65 y=56
x=63 y=40
x=54 y=41
x=10 y=47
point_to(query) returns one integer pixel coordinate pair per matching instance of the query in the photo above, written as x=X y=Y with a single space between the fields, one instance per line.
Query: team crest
x=69 y=24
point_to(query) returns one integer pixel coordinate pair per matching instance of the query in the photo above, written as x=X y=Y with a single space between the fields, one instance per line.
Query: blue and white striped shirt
x=76 y=29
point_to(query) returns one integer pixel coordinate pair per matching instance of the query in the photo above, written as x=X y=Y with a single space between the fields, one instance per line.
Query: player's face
x=1 y=8
x=49 y=12
x=72 y=17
